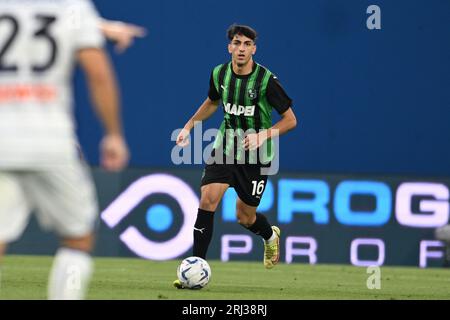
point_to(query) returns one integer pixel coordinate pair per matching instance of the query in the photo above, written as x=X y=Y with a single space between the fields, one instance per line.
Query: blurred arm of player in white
x=104 y=92
x=205 y=111
x=122 y=33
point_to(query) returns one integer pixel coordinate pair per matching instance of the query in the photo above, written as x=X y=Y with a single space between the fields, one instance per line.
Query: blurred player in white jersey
x=443 y=233
x=40 y=170
x=121 y=33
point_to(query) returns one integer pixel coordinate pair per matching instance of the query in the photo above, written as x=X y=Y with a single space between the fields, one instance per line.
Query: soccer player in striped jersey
x=248 y=92
x=40 y=168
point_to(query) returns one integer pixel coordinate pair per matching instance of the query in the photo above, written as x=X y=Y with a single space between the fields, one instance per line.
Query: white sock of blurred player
x=70 y=275
x=2 y=253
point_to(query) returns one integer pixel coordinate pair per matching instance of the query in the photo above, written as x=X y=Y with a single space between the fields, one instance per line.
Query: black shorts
x=246 y=179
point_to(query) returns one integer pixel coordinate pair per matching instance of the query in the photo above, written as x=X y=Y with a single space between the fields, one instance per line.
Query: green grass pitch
x=25 y=277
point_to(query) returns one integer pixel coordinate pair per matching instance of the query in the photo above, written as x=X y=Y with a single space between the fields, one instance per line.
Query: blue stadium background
x=368 y=101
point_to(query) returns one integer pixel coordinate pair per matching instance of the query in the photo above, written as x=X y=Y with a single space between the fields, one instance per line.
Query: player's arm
x=105 y=97
x=208 y=107
x=205 y=111
x=287 y=122
x=278 y=98
x=122 y=33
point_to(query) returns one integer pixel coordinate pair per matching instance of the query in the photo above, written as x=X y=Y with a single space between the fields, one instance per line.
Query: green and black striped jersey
x=247 y=101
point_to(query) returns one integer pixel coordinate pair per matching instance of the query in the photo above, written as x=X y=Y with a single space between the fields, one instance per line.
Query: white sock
x=70 y=275
x=272 y=238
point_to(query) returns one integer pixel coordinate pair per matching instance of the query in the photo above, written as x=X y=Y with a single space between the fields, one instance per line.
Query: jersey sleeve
x=212 y=92
x=87 y=32
x=276 y=95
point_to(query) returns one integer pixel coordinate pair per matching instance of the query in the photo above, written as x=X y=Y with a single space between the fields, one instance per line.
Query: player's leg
x=211 y=194
x=215 y=181
x=443 y=234
x=14 y=210
x=2 y=251
x=250 y=186
x=258 y=224
x=72 y=268
x=66 y=202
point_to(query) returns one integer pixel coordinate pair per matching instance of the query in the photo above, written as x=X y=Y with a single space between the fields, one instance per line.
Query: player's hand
x=254 y=140
x=114 y=153
x=183 y=138
x=122 y=33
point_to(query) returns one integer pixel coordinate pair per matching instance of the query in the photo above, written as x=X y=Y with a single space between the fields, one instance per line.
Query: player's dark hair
x=247 y=31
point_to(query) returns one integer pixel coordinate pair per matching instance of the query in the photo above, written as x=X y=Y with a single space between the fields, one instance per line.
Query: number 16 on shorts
x=258 y=187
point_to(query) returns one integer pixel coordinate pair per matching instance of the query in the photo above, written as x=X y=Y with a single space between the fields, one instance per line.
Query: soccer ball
x=194 y=273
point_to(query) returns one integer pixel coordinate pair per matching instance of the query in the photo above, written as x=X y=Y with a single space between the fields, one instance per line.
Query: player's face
x=241 y=49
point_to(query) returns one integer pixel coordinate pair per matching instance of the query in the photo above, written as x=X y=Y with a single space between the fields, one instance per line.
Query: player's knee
x=208 y=204
x=84 y=243
x=209 y=201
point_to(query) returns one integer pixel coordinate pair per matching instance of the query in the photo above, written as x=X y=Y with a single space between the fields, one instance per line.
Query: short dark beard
x=240 y=65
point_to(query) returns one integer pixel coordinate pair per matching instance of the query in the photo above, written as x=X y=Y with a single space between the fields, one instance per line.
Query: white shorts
x=63 y=199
